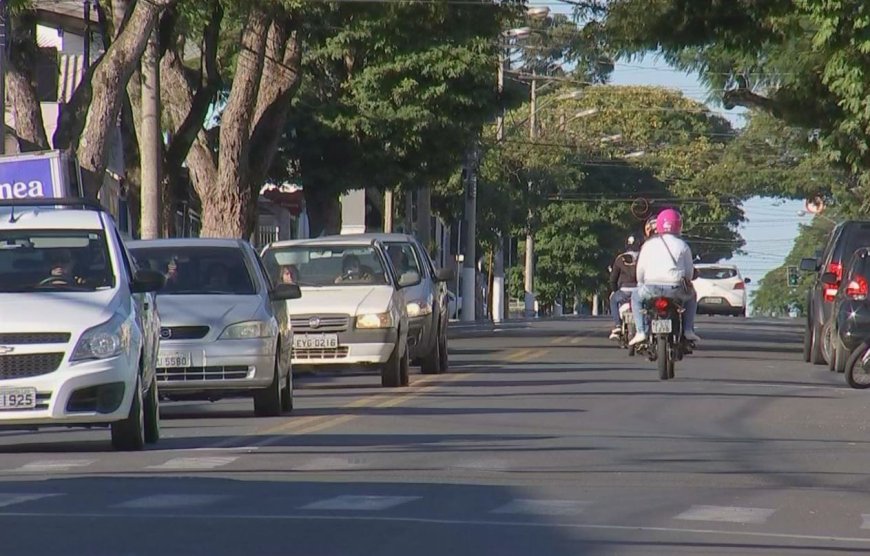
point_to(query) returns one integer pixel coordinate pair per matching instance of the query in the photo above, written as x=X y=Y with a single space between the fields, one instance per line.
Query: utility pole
x=388 y=211
x=498 y=294
x=530 y=233
x=150 y=147
x=469 y=273
x=3 y=17
x=424 y=216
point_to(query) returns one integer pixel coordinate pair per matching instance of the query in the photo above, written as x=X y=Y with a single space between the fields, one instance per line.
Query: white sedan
x=721 y=290
x=353 y=310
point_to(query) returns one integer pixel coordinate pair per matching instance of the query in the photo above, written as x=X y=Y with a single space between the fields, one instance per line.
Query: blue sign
x=30 y=178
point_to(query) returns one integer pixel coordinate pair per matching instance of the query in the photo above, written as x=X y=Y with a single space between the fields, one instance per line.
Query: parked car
x=844 y=240
x=721 y=290
x=427 y=302
x=850 y=320
x=79 y=334
x=354 y=309
x=225 y=331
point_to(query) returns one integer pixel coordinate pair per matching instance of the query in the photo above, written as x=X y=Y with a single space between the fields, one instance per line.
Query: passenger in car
x=289 y=274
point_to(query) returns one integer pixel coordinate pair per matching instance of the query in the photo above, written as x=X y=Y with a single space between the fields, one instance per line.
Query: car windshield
x=198 y=270
x=717 y=273
x=403 y=258
x=54 y=261
x=325 y=265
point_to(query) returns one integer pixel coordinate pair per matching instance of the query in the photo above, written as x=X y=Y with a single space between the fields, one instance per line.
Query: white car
x=80 y=334
x=721 y=290
x=353 y=311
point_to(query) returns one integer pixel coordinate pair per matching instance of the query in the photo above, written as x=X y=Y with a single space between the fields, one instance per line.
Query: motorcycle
x=627 y=327
x=666 y=344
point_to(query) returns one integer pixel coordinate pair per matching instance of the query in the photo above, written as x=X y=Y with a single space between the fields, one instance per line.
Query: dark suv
x=844 y=240
x=850 y=317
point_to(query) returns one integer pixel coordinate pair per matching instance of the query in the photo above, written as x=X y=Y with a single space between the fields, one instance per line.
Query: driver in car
x=61 y=273
x=352 y=270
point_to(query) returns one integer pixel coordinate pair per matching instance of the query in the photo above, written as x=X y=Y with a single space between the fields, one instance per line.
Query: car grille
x=320 y=353
x=30 y=338
x=193 y=374
x=325 y=323
x=183 y=332
x=27 y=365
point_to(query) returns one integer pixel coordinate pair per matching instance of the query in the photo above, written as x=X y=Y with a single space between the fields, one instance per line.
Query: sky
x=772 y=224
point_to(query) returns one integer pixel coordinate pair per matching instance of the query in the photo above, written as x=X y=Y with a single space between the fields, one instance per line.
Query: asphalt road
x=545 y=439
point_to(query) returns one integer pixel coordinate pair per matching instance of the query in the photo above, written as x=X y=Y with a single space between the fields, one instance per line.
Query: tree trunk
x=21 y=85
x=324 y=211
x=108 y=85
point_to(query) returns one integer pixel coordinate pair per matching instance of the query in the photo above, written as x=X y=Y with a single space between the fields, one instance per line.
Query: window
x=404 y=258
x=717 y=273
x=199 y=270
x=326 y=265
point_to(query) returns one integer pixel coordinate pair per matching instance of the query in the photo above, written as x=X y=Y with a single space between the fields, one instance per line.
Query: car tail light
x=661 y=304
x=831 y=290
x=857 y=288
x=836 y=268
x=739 y=286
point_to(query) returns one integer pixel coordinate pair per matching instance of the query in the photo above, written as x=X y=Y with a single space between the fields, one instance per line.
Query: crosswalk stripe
x=43 y=466
x=158 y=501
x=542 y=507
x=208 y=462
x=10 y=499
x=729 y=514
x=359 y=503
x=865 y=519
x=329 y=464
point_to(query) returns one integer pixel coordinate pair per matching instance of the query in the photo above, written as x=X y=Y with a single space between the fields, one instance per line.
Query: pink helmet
x=669 y=222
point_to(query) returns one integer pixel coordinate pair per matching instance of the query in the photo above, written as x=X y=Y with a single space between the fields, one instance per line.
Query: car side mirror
x=444 y=274
x=747 y=281
x=829 y=279
x=409 y=279
x=284 y=292
x=147 y=280
x=809 y=265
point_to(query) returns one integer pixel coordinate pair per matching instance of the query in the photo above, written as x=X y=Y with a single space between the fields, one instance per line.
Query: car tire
x=855 y=368
x=129 y=434
x=443 y=352
x=287 y=393
x=828 y=345
x=841 y=355
x=391 y=372
x=431 y=363
x=816 y=357
x=808 y=341
x=406 y=369
x=267 y=401
x=152 y=414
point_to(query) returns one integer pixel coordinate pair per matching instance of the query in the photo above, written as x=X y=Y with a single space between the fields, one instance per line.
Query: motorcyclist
x=623 y=280
x=665 y=269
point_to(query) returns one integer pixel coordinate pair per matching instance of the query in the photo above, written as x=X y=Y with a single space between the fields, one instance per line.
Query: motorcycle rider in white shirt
x=665 y=269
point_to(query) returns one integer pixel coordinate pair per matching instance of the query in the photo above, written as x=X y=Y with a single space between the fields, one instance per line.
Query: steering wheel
x=54 y=281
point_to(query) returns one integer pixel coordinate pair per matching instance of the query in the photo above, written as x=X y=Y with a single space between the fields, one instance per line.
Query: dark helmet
x=650 y=227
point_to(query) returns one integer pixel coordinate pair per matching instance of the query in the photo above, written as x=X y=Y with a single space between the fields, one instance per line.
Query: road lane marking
x=330 y=464
x=10 y=499
x=49 y=465
x=537 y=524
x=160 y=501
x=195 y=463
x=865 y=521
x=542 y=507
x=360 y=503
x=729 y=514
x=482 y=465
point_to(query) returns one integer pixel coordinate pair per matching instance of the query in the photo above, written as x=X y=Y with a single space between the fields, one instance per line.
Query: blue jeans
x=617 y=298
x=650 y=291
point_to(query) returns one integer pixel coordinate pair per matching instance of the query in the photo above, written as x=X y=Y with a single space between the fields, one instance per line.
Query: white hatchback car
x=353 y=311
x=79 y=334
x=720 y=290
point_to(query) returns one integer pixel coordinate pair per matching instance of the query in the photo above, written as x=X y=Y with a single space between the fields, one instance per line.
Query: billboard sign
x=29 y=177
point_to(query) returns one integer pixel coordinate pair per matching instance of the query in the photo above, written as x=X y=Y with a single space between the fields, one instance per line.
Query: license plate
x=662 y=326
x=714 y=300
x=18 y=398
x=173 y=360
x=316 y=341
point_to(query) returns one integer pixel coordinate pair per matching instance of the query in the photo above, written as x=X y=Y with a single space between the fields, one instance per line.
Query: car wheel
x=443 y=353
x=816 y=357
x=391 y=372
x=431 y=363
x=129 y=434
x=287 y=394
x=808 y=341
x=841 y=355
x=828 y=345
x=858 y=367
x=406 y=369
x=267 y=402
x=152 y=414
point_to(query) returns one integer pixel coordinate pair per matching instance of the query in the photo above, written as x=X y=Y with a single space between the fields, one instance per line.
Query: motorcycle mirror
x=829 y=279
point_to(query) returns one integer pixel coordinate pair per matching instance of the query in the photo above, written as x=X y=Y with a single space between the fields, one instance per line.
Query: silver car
x=224 y=327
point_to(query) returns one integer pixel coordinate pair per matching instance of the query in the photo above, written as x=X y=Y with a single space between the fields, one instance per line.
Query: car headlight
x=375 y=320
x=248 y=330
x=104 y=340
x=420 y=307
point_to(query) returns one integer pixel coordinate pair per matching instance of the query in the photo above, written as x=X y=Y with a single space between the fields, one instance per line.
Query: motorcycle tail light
x=857 y=288
x=661 y=304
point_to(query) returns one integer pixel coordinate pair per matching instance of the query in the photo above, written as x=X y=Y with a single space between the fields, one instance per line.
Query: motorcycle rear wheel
x=663 y=360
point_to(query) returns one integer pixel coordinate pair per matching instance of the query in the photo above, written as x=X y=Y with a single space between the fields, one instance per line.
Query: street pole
x=530 y=237
x=388 y=211
x=498 y=293
x=3 y=17
x=151 y=143
x=469 y=273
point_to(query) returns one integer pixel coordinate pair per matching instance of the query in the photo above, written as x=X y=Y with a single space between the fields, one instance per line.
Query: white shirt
x=655 y=266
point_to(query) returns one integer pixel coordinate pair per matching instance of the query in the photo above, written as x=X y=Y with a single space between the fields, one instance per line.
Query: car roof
x=350 y=240
x=49 y=218
x=188 y=242
x=711 y=265
x=384 y=237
